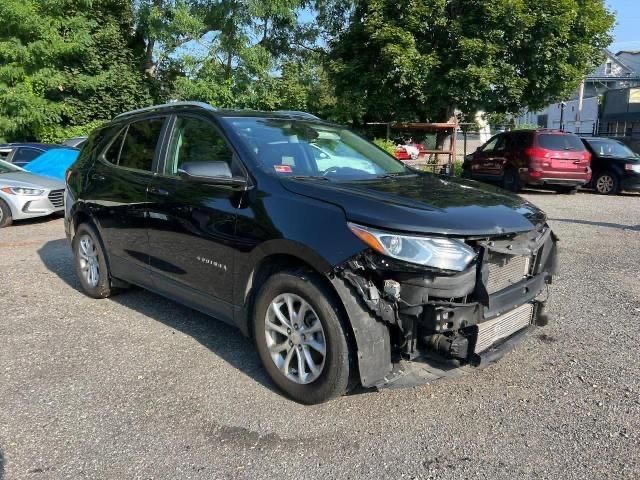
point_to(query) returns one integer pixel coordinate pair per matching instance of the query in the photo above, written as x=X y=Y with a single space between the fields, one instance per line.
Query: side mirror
x=213 y=172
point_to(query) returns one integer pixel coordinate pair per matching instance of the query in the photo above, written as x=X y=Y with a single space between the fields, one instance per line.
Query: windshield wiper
x=395 y=175
x=310 y=177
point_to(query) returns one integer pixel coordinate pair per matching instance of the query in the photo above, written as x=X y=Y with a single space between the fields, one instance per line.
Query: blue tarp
x=53 y=163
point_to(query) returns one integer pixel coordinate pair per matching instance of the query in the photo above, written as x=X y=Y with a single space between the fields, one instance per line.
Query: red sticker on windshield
x=283 y=168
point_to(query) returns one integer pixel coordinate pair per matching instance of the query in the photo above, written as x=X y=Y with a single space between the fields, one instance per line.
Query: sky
x=626 y=34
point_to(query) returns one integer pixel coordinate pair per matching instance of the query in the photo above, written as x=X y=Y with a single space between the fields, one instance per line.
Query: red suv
x=549 y=158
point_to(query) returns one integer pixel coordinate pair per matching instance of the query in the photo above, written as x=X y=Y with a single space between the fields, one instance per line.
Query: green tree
x=65 y=64
x=409 y=60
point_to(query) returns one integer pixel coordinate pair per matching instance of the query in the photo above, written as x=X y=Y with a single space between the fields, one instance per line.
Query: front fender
x=371 y=335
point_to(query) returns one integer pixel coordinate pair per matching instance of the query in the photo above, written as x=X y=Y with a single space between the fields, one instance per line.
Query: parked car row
x=32 y=178
x=554 y=159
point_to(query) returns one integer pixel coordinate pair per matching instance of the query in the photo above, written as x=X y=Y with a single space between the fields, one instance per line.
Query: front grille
x=503 y=326
x=505 y=270
x=56 y=197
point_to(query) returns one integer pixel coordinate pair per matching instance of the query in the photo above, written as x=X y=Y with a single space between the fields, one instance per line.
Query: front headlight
x=437 y=252
x=32 y=192
x=634 y=167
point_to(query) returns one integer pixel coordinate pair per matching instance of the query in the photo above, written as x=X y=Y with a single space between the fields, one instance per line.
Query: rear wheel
x=511 y=180
x=5 y=214
x=90 y=262
x=301 y=339
x=607 y=183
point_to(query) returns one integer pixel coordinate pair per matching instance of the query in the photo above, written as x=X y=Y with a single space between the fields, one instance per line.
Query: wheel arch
x=278 y=262
x=12 y=210
x=80 y=216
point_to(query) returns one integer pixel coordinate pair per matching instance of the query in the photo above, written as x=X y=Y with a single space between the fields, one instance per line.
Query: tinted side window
x=196 y=140
x=491 y=144
x=25 y=155
x=519 y=141
x=4 y=153
x=560 y=142
x=140 y=143
x=113 y=152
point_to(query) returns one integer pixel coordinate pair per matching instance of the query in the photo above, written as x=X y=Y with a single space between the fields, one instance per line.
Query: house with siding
x=581 y=112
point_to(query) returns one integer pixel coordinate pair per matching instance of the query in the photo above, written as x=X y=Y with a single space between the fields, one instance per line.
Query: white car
x=27 y=195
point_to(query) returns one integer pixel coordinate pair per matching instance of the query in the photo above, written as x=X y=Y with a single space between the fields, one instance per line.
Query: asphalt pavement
x=140 y=387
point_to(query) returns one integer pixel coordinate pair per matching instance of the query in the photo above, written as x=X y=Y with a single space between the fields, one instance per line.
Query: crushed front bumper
x=429 y=368
x=443 y=325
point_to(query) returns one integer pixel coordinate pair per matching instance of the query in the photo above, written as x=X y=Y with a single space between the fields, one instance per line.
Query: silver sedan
x=27 y=195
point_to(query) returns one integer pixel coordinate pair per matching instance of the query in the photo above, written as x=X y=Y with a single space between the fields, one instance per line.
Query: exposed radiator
x=505 y=270
x=491 y=331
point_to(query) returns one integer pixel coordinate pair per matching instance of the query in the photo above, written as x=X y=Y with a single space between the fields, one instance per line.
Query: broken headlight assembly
x=436 y=252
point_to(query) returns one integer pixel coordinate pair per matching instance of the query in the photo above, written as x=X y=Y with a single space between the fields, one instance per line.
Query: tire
x=466 y=173
x=567 y=190
x=607 y=183
x=511 y=180
x=88 y=254
x=288 y=339
x=5 y=214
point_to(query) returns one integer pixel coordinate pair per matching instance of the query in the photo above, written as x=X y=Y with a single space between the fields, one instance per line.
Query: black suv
x=344 y=265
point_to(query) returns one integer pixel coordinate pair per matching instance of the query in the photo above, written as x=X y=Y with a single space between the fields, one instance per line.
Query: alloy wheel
x=89 y=264
x=604 y=184
x=295 y=338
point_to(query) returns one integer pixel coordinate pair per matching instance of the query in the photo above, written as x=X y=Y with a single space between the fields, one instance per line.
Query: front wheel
x=5 y=214
x=301 y=339
x=607 y=183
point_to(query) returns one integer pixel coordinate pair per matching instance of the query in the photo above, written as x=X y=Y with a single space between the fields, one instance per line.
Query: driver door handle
x=158 y=191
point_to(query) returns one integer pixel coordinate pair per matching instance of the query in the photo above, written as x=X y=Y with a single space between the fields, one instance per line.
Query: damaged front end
x=416 y=323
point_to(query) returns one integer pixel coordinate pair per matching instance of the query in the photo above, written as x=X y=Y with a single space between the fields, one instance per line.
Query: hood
x=30 y=180
x=425 y=203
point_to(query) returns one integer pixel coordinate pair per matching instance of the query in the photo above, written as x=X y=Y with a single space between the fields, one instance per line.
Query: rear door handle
x=158 y=191
x=98 y=177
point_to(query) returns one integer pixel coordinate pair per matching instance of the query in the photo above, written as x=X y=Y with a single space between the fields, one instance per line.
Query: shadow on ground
x=222 y=339
x=1 y=465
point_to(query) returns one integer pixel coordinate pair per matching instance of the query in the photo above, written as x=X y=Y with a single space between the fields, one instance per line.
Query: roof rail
x=164 y=106
x=296 y=113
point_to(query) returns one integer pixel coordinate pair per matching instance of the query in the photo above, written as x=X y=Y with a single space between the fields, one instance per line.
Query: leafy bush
x=387 y=145
x=457 y=168
x=58 y=134
x=527 y=126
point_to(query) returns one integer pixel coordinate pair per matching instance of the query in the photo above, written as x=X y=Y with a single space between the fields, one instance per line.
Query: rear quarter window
x=140 y=144
x=560 y=142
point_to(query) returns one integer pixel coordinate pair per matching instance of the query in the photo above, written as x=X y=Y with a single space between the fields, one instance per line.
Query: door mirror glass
x=212 y=169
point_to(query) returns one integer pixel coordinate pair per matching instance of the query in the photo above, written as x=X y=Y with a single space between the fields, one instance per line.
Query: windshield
x=559 y=141
x=6 y=167
x=309 y=149
x=610 y=148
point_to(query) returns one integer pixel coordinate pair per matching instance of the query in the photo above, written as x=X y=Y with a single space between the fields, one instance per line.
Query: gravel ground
x=140 y=387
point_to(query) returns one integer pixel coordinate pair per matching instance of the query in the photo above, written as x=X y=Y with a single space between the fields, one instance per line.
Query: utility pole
x=580 y=101
x=562 y=105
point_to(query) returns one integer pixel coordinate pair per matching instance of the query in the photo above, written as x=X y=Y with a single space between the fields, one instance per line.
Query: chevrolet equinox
x=345 y=266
